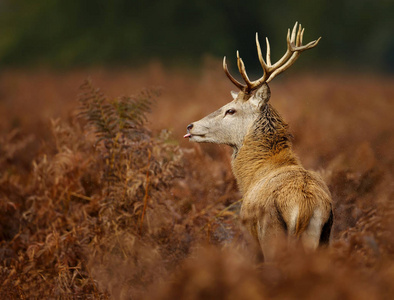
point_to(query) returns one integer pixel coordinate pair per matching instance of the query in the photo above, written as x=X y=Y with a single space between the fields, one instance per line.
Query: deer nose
x=190 y=126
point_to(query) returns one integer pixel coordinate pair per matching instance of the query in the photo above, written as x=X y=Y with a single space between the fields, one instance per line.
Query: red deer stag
x=280 y=197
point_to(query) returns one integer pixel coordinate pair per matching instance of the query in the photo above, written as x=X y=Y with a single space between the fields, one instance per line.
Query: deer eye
x=230 y=112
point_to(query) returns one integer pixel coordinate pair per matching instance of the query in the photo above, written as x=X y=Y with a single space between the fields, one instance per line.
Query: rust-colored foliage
x=100 y=202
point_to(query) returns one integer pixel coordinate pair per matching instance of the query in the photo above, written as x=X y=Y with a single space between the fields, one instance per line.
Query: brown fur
x=280 y=198
x=271 y=176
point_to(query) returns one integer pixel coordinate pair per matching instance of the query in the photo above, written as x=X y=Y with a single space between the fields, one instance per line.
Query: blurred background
x=72 y=221
x=48 y=48
x=357 y=34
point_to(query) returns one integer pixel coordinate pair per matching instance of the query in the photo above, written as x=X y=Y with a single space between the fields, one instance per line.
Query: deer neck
x=265 y=148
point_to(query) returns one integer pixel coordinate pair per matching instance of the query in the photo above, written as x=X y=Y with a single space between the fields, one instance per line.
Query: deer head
x=229 y=124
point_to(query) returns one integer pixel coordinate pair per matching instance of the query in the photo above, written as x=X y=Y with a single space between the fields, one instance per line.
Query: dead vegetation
x=97 y=203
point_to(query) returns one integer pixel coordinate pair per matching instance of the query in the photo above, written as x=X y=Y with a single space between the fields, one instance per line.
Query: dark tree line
x=357 y=33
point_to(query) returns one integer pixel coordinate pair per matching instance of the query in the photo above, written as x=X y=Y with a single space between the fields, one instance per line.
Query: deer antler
x=294 y=49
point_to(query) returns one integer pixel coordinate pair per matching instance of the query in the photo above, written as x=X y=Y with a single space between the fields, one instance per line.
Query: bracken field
x=102 y=198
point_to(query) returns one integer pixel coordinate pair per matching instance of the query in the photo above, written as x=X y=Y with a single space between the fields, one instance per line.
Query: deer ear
x=234 y=95
x=263 y=94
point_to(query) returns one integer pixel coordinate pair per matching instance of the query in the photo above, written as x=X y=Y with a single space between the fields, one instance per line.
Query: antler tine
x=288 y=38
x=307 y=46
x=233 y=80
x=298 y=40
x=293 y=32
x=264 y=65
x=268 y=51
x=242 y=71
x=302 y=35
x=259 y=53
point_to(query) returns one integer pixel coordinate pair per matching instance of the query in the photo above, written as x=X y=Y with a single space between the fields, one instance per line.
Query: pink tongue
x=187 y=135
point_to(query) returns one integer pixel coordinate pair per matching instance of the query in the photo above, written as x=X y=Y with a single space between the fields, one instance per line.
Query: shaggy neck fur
x=266 y=147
